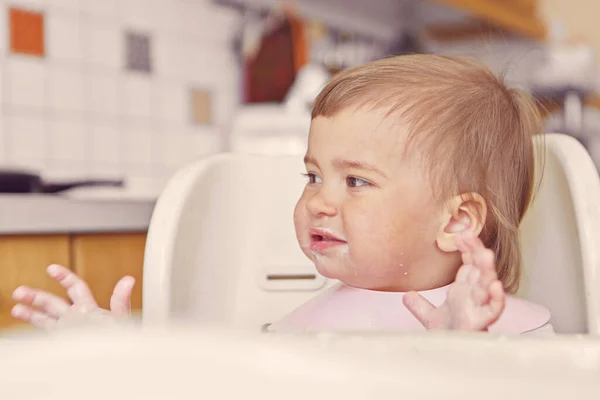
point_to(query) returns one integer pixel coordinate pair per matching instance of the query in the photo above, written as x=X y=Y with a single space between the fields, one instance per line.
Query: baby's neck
x=384 y=290
x=404 y=288
x=422 y=277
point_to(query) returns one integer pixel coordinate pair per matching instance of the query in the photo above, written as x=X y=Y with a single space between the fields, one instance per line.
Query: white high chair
x=221 y=246
x=560 y=238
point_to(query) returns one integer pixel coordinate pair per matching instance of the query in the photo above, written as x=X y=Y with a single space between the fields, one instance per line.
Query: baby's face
x=366 y=216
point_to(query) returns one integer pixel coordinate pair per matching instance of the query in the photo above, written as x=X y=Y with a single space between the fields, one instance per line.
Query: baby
x=419 y=171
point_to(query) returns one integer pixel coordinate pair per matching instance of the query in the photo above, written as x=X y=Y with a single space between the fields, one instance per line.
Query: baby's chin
x=326 y=267
x=334 y=268
x=344 y=271
x=326 y=271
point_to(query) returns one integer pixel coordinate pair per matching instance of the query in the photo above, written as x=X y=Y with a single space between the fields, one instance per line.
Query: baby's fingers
x=120 y=301
x=478 y=254
x=461 y=245
x=32 y=316
x=77 y=289
x=52 y=305
x=480 y=294
x=496 y=302
x=476 y=281
x=420 y=307
x=486 y=260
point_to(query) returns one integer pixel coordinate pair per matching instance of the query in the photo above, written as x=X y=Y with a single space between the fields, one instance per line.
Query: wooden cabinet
x=101 y=259
x=23 y=261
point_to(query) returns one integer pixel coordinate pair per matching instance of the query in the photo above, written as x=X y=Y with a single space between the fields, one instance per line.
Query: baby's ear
x=464 y=212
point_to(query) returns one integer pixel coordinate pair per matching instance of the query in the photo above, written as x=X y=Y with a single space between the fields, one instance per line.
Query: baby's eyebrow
x=355 y=164
x=346 y=164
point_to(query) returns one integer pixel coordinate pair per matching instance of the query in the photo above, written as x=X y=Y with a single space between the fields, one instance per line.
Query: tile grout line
x=86 y=124
x=6 y=141
x=121 y=76
x=47 y=109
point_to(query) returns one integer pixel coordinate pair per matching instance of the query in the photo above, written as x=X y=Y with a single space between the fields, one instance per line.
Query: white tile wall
x=65 y=89
x=138 y=151
x=65 y=31
x=102 y=92
x=26 y=140
x=136 y=91
x=78 y=113
x=65 y=141
x=72 y=6
x=105 y=9
x=138 y=16
x=105 y=144
x=103 y=43
x=31 y=4
x=171 y=102
x=3 y=31
x=1 y=88
x=25 y=79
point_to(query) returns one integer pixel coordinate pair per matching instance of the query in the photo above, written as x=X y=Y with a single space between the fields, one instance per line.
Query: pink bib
x=345 y=308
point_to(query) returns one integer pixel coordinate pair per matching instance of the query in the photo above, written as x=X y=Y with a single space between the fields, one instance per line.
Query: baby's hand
x=46 y=310
x=475 y=299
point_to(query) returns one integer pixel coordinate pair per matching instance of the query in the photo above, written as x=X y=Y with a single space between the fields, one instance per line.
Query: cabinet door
x=102 y=259
x=23 y=261
x=528 y=7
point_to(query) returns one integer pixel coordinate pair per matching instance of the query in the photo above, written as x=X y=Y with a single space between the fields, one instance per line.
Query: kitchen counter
x=42 y=214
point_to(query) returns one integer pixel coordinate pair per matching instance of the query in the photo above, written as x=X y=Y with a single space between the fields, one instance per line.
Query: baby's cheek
x=372 y=224
x=366 y=232
x=300 y=212
x=301 y=224
x=380 y=235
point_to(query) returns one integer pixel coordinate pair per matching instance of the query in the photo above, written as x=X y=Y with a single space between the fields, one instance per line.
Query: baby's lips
x=328 y=233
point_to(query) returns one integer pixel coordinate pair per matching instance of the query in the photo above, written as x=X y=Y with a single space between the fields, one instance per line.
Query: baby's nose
x=320 y=206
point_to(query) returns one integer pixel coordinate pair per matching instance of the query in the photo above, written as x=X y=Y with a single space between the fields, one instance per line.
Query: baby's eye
x=313 y=178
x=356 y=182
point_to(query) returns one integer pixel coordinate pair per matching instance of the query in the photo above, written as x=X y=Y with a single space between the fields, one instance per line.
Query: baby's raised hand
x=46 y=310
x=475 y=299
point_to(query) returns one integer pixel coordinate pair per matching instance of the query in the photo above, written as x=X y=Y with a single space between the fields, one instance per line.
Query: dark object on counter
x=28 y=182
x=270 y=73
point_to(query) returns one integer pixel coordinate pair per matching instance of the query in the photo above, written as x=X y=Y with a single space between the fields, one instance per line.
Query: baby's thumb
x=120 y=301
x=419 y=307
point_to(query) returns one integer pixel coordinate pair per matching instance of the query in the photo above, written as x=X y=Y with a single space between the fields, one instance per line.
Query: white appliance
x=280 y=129
x=270 y=129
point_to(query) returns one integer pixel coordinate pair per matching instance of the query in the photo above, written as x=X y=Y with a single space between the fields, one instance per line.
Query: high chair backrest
x=221 y=245
x=560 y=238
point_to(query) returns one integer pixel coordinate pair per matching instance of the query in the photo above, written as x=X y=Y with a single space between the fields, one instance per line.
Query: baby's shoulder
x=520 y=316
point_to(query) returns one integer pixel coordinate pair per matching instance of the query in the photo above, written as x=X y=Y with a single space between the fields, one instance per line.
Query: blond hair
x=475 y=133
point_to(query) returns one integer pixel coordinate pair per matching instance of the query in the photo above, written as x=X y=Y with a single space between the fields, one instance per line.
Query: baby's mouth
x=321 y=241
x=321 y=238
